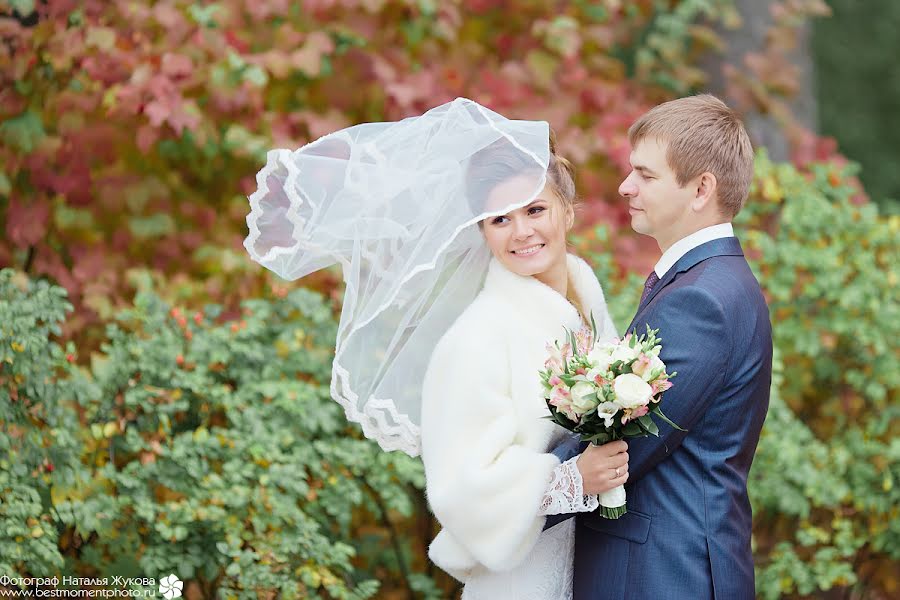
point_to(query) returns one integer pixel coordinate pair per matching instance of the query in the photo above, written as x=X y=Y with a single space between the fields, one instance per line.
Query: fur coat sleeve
x=483 y=485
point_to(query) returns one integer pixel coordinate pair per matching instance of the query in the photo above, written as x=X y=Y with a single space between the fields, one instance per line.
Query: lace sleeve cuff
x=565 y=493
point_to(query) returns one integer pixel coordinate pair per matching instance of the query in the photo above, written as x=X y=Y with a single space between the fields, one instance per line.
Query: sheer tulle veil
x=397 y=206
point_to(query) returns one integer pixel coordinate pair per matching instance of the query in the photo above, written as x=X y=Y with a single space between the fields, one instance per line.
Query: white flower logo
x=171 y=586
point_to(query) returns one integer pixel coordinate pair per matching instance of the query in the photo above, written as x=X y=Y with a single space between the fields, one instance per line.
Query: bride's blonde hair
x=561 y=175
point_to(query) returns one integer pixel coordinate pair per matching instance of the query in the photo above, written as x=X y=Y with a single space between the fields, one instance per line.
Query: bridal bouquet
x=606 y=391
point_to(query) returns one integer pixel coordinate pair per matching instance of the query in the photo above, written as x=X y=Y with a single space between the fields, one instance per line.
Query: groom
x=686 y=534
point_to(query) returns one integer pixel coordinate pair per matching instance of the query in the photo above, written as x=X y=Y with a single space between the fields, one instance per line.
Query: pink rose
x=584 y=340
x=555 y=361
x=634 y=413
x=645 y=366
x=641 y=365
x=659 y=386
x=561 y=398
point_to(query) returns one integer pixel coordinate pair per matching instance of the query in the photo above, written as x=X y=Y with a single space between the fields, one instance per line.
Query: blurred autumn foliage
x=130 y=134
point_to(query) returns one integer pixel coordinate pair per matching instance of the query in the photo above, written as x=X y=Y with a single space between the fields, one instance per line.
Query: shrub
x=203 y=447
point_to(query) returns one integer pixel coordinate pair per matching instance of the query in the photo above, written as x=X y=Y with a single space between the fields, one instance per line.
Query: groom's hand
x=603 y=467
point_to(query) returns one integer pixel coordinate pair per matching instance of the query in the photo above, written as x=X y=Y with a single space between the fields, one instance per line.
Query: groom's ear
x=705 y=186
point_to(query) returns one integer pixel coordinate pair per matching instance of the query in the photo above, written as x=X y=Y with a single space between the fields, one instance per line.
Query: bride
x=450 y=229
x=485 y=445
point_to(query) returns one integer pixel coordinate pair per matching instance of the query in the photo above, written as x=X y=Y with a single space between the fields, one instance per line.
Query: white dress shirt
x=686 y=244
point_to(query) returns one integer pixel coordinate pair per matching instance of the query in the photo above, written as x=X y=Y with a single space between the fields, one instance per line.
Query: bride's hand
x=603 y=467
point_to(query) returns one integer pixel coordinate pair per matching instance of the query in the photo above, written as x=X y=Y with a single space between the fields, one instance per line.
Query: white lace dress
x=546 y=572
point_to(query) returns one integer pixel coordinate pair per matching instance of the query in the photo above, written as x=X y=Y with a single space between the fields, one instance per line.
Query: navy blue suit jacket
x=686 y=534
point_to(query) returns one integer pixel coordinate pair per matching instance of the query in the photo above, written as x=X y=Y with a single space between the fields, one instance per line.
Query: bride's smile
x=529 y=251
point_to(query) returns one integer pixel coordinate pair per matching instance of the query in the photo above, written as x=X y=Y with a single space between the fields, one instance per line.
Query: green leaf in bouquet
x=633 y=430
x=649 y=426
x=656 y=411
x=599 y=439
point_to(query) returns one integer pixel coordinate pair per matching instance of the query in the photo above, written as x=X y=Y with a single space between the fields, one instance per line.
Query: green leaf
x=66 y=217
x=23 y=132
x=649 y=426
x=632 y=429
x=158 y=225
x=657 y=411
x=23 y=7
x=205 y=15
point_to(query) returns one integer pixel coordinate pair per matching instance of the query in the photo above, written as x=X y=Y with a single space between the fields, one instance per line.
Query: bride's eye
x=535 y=210
x=497 y=220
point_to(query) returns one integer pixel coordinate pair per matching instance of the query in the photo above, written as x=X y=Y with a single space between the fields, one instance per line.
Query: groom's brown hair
x=702 y=135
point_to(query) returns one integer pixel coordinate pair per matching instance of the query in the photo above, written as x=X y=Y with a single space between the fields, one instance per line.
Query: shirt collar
x=686 y=244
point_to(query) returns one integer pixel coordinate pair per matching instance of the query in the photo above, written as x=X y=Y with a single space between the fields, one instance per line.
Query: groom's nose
x=628 y=188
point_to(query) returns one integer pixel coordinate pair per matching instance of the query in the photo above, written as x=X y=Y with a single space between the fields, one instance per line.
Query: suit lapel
x=729 y=246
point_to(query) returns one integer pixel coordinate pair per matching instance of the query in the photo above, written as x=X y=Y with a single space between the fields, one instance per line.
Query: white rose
x=632 y=391
x=600 y=358
x=594 y=373
x=607 y=411
x=625 y=353
x=584 y=397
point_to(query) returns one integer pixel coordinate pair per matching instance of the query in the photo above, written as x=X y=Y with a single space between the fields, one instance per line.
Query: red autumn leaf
x=89 y=263
x=146 y=137
x=158 y=111
x=235 y=42
x=308 y=59
x=176 y=65
x=168 y=15
x=262 y=10
x=26 y=221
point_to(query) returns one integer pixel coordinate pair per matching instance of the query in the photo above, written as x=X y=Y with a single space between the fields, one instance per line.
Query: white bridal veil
x=397 y=205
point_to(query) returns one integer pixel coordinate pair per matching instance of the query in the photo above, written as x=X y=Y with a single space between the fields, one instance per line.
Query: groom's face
x=658 y=206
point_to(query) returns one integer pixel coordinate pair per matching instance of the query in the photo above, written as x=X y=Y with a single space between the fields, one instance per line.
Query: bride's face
x=530 y=240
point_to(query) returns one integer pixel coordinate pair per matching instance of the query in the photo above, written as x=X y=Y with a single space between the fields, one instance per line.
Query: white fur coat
x=485 y=442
